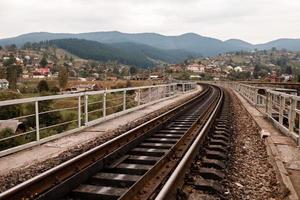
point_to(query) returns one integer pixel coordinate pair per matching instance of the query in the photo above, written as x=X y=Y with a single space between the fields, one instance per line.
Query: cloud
x=252 y=20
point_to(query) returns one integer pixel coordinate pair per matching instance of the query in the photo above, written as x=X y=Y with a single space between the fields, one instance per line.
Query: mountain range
x=157 y=46
x=127 y=53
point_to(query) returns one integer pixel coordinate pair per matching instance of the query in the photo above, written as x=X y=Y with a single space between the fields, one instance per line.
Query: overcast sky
x=255 y=21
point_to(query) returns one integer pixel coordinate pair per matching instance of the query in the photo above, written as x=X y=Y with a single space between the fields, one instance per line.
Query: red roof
x=43 y=71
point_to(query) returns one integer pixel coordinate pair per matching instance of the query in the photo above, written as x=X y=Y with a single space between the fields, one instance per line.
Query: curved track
x=134 y=165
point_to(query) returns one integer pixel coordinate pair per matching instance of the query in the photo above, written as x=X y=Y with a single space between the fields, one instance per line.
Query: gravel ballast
x=249 y=174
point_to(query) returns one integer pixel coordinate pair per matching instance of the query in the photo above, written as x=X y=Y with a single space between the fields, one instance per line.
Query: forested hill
x=127 y=53
x=190 y=42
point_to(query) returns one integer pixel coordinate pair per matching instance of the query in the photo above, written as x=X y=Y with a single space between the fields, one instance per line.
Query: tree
x=282 y=61
x=13 y=72
x=257 y=69
x=44 y=62
x=10 y=61
x=43 y=86
x=63 y=76
x=12 y=47
x=2 y=73
x=8 y=112
x=55 y=90
x=132 y=70
x=274 y=49
x=1 y=47
x=27 y=45
x=289 y=70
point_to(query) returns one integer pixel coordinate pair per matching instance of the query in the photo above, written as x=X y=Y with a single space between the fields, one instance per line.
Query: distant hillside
x=170 y=56
x=240 y=44
x=189 y=42
x=33 y=37
x=290 y=44
x=126 y=53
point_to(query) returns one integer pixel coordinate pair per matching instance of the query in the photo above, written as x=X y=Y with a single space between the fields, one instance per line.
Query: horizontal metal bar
x=24 y=116
x=58 y=110
x=60 y=124
x=62 y=96
x=16 y=135
x=95 y=110
x=114 y=99
x=96 y=102
x=20 y=101
x=114 y=106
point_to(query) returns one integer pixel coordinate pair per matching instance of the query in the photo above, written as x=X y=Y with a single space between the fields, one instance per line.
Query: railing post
x=271 y=105
x=79 y=111
x=37 y=121
x=104 y=104
x=139 y=97
x=183 y=87
x=150 y=94
x=292 y=115
x=299 y=133
x=167 y=90
x=86 y=110
x=256 y=97
x=281 y=108
x=124 y=100
x=267 y=102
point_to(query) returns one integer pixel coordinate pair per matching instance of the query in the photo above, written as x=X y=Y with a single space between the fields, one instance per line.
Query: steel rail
x=167 y=162
x=136 y=188
x=31 y=189
x=170 y=187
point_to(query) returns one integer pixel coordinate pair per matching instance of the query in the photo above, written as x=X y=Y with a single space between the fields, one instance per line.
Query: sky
x=255 y=21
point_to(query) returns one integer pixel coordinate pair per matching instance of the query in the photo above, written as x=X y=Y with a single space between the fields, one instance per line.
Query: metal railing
x=49 y=117
x=281 y=108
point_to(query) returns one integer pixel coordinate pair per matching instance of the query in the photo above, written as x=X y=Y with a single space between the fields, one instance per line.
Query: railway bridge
x=185 y=140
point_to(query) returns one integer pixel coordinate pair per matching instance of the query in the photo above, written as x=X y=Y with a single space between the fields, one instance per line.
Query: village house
x=112 y=78
x=175 y=68
x=238 y=69
x=41 y=73
x=196 y=68
x=4 y=84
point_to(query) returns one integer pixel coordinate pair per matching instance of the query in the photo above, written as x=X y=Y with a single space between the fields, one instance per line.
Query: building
x=196 y=68
x=195 y=77
x=238 y=69
x=41 y=73
x=4 y=84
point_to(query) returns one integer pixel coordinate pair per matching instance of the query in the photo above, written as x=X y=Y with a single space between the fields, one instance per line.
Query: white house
x=4 y=84
x=238 y=69
x=196 y=68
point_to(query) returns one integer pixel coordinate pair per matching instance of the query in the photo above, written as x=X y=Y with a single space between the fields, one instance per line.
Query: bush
x=55 y=90
x=8 y=112
x=43 y=86
x=11 y=142
x=6 y=133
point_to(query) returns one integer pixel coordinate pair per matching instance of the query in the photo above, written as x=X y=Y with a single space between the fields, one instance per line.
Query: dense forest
x=126 y=53
x=100 y=52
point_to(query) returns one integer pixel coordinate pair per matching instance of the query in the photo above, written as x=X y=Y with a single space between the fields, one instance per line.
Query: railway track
x=204 y=179
x=135 y=165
